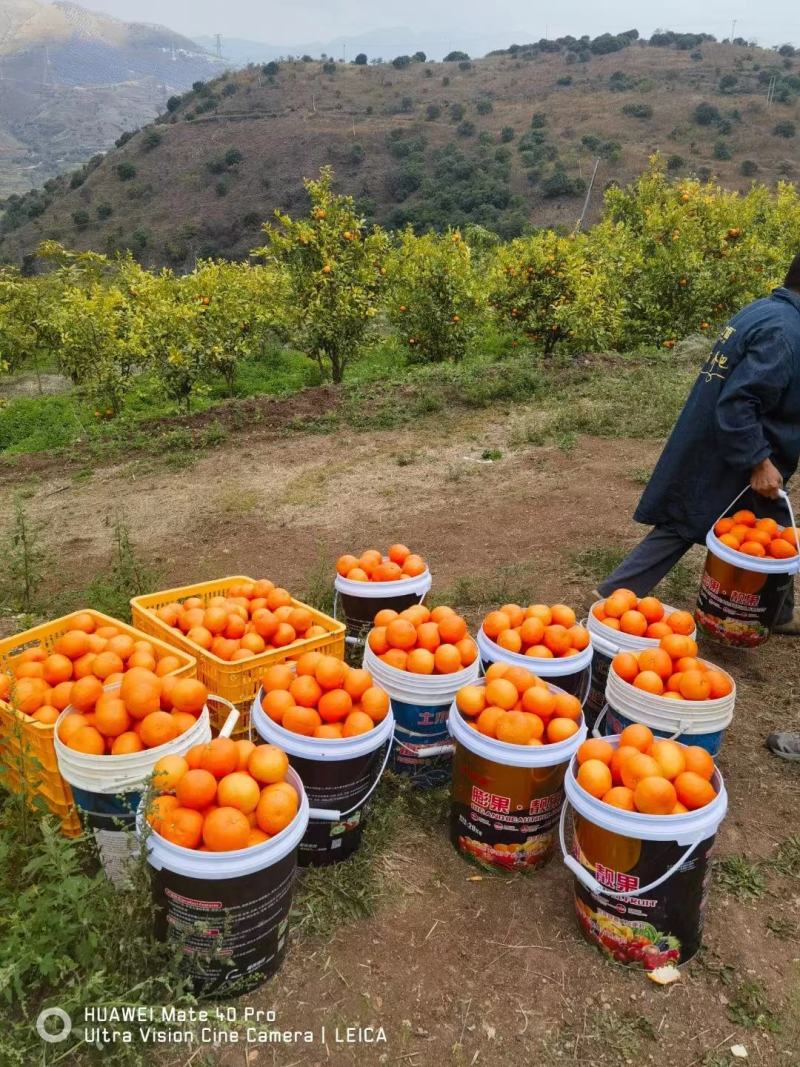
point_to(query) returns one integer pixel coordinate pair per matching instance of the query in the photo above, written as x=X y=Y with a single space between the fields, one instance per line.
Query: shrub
x=124 y=138
x=419 y=57
x=507 y=134
x=406 y=105
x=356 y=154
x=271 y=68
x=538 y=120
x=456 y=57
x=722 y=151
x=465 y=128
x=465 y=65
x=230 y=89
x=484 y=107
x=786 y=128
x=125 y=171
x=233 y=157
x=432 y=112
x=329 y=68
x=457 y=112
x=80 y=218
x=435 y=297
x=565 y=79
x=401 y=61
x=706 y=114
x=638 y=111
x=748 y=168
x=728 y=82
x=76 y=179
x=675 y=162
x=152 y=139
x=620 y=82
x=104 y=211
x=174 y=102
x=361 y=59
x=559 y=183
x=222 y=187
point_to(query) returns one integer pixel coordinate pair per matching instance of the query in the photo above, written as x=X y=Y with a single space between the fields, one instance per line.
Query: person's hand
x=766 y=479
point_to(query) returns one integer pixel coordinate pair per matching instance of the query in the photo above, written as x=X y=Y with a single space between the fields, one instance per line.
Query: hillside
x=71 y=81
x=507 y=141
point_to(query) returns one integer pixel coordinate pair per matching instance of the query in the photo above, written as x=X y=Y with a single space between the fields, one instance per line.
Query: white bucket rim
x=324 y=749
x=760 y=564
x=610 y=642
x=109 y=775
x=416 y=586
x=544 y=668
x=426 y=690
x=715 y=714
x=215 y=866
x=504 y=753
x=685 y=829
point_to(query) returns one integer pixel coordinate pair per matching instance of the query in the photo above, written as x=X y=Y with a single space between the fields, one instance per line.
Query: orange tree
x=435 y=297
x=335 y=273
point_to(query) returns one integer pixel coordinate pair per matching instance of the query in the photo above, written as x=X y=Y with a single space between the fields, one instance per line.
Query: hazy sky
x=282 y=22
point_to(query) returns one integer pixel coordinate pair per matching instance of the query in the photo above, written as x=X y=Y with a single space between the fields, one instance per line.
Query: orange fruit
x=428 y=636
x=744 y=517
x=515 y=728
x=694 y=685
x=396 y=658
x=59 y=695
x=375 y=703
x=142 y=659
x=106 y=663
x=616 y=606
x=88 y=740
x=650 y=682
x=568 y=707
x=414 y=565
x=197 y=788
x=655 y=796
x=619 y=796
x=244 y=749
x=400 y=633
x=657 y=630
x=637 y=736
x=82 y=667
x=730 y=541
x=780 y=548
x=158 y=728
x=677 y=645
x=421 y=661
x=521 y=678
x=488 y=720
x=277 y=703
x=516 y=616
x=467 y=651
x=699 y=761
x=510 y=640
x=791 y=534
x=626 y=666
x=670 y=758
x=377 y=640
x=182 y=826
x=541 y=612
x=46 y=714
x=168 y=771
x=561 y=730
x=345 y=563
x=32 y=670
x=331 y=672
x=357 y=722
x=656 y=660
x=531 y=631
x=277 y=807
x=633 y=622
x=111 y=716
x=335 y=705
x=720 y=684
x=183 y=721
x=621 y=754
x=579 y=636
x=399 y=554
x=301 y=720
x=268 y=764
x=70 y=724
x=305 y=691
x=501 y=693
x=330 y=730
x=495 y=623
x=357 y=682
x=595 y=748
x=637 y=767
x=158 y=810
x=538 y=700
x=239 y=790
x=166 y=665
x=497 y=670
x=680 y=622
x=279 y=676
x=141 y=691
x=693 y=790
x=219 y=756
x=447 y=659
x=452 y=628
x=563 y=615
x=73 y=644
x=86 y=692
x=57 y=669
x=557 y=639
x=226 y=829
x=33 y=655
x=595 y=777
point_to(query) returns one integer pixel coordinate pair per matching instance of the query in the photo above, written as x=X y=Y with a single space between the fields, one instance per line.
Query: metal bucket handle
x=784 y=496
x=591 y=883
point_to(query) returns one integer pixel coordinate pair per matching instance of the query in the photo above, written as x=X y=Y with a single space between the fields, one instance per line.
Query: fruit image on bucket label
x=504 y=817
x=232 y=932
x=664 y=926
x=738 y=607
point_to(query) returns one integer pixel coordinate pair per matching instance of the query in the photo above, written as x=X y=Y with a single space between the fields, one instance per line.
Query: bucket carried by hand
x=741 y=596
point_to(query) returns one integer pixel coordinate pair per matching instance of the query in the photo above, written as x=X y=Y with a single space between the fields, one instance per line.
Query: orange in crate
x=236 y=679
x=26 y=745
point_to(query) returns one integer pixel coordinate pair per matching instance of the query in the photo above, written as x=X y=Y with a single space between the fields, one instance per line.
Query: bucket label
x=232 y=931
x=738 y=607
x=661 y=926
x=504 y=817
x=112 y=821
x=418 y=727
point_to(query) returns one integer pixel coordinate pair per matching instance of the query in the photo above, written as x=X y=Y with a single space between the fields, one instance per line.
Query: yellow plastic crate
x=237 y=681
x=26 y=746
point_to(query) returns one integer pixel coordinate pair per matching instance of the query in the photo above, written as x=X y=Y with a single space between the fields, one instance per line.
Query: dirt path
x=459 y=967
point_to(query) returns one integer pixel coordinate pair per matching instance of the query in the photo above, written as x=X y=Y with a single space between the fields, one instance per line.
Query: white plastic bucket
x=361 y=601
x=640 y=880
x=420 y=703
x=570 y=673
x=608 y=643
x=229 y=911
x=740 y=596
x=693 y=722
x=107 y=789
x=339 y=776
x=505 y=799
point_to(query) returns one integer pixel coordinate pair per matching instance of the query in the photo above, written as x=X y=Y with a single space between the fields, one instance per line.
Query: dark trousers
x=652 y=559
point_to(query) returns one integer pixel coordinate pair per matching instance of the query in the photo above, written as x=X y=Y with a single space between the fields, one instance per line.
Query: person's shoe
x=785 y=743
x=791 y=628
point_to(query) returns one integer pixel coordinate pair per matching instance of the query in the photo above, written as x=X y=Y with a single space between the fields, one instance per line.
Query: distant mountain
x=71 y=81
x=376 y=44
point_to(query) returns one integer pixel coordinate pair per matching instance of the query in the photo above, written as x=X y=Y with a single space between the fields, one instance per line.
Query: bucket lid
x=610 y=642
x=324 y=749
x=672 y=716
x=761 y=564
x=685 y=829
x=110 y=775
x=416 y=586
x=514 y=755
x=426 y=690
x=215 y=866
x=557 y=667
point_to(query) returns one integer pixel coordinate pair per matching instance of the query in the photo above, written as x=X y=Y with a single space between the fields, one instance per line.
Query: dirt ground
x=458 y=966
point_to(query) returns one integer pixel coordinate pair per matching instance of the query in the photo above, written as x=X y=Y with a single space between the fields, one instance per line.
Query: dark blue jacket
x=743 y=408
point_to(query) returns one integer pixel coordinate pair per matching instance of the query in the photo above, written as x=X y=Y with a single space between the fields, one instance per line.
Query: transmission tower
x=218 y=44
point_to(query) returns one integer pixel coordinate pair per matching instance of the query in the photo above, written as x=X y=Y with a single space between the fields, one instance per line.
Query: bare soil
x=458 y=966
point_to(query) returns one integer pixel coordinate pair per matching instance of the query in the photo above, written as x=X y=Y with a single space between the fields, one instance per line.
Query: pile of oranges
x=540 y=630
x=645 y=617
x=146 y=712
x=323 y=697
x=743 y=532
x=517 y=707
x=222 y=796
x=42 y=684
x=673 y=671
x=645 y=775
x=398 y=564
x=253 y=617
x=423 y=641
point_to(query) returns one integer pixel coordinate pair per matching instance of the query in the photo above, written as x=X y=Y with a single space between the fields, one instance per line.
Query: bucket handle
x=429 y=751
x=682 y=726
x=591 y=883
x=784 y=496
x=329 y=815
x=233 y=715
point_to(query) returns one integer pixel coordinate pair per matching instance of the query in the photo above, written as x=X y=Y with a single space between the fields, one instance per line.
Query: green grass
x=740 y=878
x=595 y=564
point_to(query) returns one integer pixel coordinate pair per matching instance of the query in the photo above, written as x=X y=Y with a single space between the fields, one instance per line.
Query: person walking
x=739 y=425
